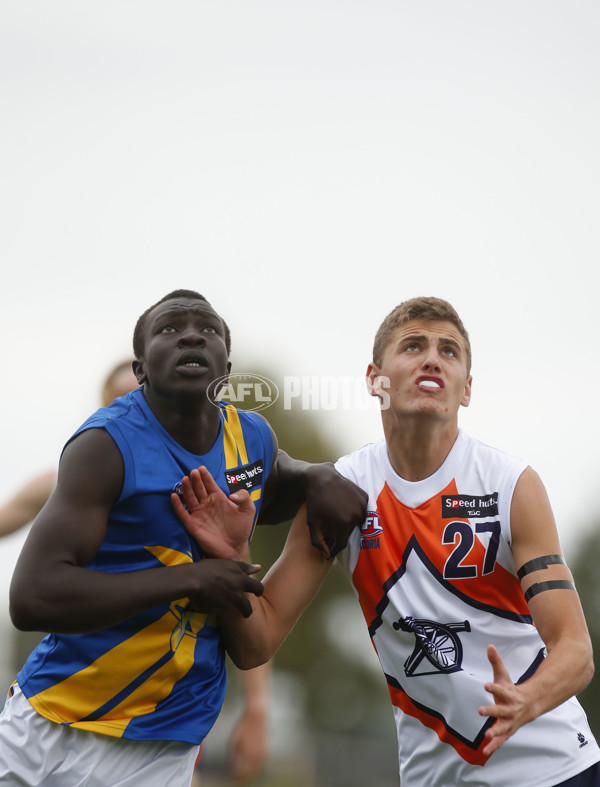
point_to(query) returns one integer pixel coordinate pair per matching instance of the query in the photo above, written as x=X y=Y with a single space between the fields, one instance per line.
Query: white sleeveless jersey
x=434 y=574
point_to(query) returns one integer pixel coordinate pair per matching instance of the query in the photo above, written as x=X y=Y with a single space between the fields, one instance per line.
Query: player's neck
x=194 y=424
x=419 y=447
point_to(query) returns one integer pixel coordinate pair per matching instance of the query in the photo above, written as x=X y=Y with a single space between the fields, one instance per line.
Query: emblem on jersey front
x=370 y=530
x=437 y=643
x=431 y=640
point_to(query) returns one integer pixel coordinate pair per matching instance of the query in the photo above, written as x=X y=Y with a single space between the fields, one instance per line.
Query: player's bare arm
x=335 y=505
x=289 y=585
x=556 y=611
x=52 y=590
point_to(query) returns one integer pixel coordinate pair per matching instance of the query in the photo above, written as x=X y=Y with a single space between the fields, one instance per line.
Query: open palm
x=220 y=525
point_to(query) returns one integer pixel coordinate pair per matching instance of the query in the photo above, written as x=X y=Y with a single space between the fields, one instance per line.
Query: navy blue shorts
x=588 y=778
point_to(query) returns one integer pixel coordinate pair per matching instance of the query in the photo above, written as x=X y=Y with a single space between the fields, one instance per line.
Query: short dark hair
x=432 y=309
x=138 y=332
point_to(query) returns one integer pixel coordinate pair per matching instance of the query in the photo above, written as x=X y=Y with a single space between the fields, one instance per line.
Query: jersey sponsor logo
x=469 y=505
x=245 y=477
x=370 y=530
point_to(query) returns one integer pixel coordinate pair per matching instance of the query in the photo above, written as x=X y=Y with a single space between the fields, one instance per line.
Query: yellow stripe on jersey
x=170 y=557
x=233 y=438
x=235 y=447
x=138 y=702
x=79 y=695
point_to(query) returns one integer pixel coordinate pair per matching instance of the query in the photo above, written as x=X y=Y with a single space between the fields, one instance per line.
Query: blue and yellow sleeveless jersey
x=161 y=674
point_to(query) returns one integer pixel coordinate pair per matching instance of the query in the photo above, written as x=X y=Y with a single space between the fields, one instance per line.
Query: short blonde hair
x=431 y=309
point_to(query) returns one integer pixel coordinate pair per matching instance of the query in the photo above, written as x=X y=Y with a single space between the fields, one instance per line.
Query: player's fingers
x=495 y=711
x=243 y=500
x=244 y=606
x=494 y=744
x=489 y=710
x=318 y=542
x=197 y=485
x=187 y=493
x=178 y=505
x=500 y=671
x=249 y=568
x=208 y=481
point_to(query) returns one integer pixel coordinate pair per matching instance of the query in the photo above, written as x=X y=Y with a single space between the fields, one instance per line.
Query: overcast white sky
x=306 y=165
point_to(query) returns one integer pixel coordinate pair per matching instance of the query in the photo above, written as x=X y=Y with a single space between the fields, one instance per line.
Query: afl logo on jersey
x=369 y=532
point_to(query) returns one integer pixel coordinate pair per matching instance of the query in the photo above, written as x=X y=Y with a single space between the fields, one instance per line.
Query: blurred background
x=307 y=166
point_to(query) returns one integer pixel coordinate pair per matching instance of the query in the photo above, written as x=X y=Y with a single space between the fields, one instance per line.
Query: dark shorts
x=588 y=778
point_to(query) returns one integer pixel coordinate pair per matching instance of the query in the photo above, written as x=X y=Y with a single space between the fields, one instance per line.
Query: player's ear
x=465 y=401
x=139 y=371
x=372 y=379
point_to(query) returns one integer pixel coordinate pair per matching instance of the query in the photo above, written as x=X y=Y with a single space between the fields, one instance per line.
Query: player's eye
x=209 y=329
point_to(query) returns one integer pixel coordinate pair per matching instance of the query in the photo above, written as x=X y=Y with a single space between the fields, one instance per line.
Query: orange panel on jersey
x=498 y=589
x=403 y=701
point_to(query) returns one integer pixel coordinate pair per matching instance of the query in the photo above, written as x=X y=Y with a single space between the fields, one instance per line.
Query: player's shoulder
x=355 y=463
x=476 y=446
x=122 y=407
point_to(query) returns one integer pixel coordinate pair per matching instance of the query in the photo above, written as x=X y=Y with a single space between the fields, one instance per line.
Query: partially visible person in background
x=247 y=750
x=26 y=504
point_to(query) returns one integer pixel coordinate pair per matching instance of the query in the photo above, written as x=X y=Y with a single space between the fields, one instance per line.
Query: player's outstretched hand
x=220 y=525
x=223 y=585
x=510 y=706
x=334 y=507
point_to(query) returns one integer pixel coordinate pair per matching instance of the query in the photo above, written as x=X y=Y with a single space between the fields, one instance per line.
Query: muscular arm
x=26 y=504
x=52 y=590
x=558 y=617
x=289 y=587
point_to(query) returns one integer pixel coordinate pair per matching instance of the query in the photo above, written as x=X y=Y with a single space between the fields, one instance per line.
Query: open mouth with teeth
x=429 y=384
x=190 y=362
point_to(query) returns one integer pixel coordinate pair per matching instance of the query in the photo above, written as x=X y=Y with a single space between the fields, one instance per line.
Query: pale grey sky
x=306 y=165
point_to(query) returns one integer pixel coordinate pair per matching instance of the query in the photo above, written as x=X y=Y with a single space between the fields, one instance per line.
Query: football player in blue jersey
x=132 y=676
x=248 y=745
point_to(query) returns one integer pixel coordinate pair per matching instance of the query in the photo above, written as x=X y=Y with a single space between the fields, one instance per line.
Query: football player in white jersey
x=459 y=573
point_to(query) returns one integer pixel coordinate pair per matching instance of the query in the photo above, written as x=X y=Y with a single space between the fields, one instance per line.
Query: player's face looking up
x=425 y=362
x=184 y=347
